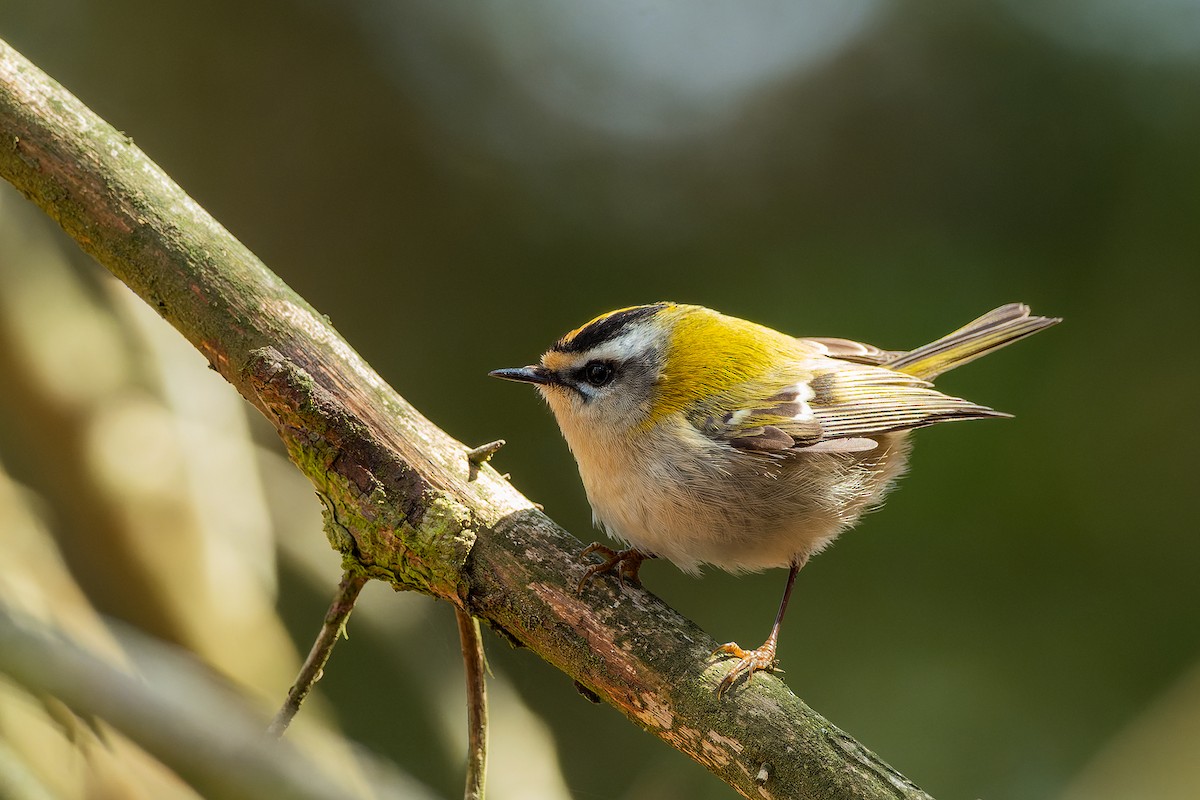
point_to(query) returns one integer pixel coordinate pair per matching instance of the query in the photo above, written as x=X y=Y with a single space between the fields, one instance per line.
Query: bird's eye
x=598 y=373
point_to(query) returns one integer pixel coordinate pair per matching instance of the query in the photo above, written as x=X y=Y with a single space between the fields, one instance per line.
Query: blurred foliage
x=456 y=184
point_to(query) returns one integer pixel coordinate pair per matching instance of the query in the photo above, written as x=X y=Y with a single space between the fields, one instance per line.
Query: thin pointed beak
x=531 y=374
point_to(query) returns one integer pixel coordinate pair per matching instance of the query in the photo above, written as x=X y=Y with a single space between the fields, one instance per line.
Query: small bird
x=707 y=439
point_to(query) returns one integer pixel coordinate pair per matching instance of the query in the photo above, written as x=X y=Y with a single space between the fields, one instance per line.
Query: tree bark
x=399 y=500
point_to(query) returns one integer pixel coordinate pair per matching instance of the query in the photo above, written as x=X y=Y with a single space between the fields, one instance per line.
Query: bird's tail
x=992 y=331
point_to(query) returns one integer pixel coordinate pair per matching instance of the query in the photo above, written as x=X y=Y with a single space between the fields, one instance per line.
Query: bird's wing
x=853 y=400
x=826 y=404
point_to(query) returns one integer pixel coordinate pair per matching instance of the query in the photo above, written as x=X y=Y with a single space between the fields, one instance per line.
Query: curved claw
x=749 y=662
x=627 y=563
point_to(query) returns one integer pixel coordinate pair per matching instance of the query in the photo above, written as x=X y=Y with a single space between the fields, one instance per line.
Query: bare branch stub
x=481 y=455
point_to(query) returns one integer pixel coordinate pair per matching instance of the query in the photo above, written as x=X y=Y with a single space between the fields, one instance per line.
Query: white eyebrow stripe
x=634 y=341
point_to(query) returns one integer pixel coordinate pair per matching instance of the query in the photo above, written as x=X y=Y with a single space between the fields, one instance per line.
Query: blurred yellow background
x=456 y=184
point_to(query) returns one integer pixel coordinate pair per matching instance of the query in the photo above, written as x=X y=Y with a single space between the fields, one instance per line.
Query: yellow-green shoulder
x=711 y=354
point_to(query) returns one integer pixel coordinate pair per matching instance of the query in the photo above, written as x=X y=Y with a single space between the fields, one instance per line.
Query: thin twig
x=472 y=648
x=314 y=665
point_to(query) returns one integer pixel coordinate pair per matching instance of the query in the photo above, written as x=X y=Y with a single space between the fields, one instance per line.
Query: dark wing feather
x=850 y=350
x=765 y=422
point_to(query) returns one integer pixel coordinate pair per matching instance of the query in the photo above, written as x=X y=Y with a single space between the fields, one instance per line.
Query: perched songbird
x=707 y=439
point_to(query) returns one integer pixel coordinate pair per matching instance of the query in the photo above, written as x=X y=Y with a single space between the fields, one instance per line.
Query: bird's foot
x=749 y=662
x=626 y=562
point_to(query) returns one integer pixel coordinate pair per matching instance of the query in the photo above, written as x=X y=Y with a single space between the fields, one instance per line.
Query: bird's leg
x=751 y=661
x=627 y=562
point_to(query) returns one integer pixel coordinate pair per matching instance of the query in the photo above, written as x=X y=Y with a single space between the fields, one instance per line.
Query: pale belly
x=735 y=510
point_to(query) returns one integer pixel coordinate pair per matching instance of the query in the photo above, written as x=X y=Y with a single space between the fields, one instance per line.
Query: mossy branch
x=400 y=502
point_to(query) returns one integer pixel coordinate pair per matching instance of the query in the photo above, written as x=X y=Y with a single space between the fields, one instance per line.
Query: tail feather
x=992 y=331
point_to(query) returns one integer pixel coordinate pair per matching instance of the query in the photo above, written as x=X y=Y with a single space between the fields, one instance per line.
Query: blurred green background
x=456 y=184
